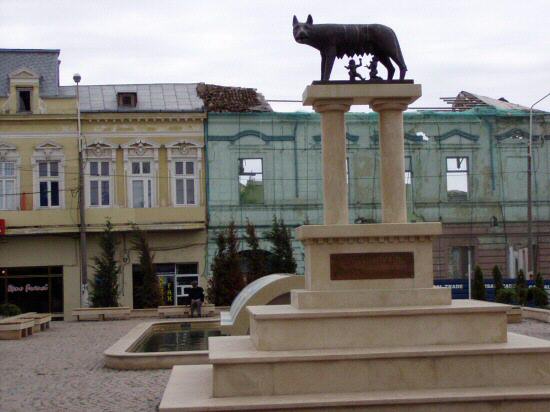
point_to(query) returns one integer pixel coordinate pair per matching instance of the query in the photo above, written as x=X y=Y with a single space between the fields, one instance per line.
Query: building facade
x=467 y=169
x=143 y=147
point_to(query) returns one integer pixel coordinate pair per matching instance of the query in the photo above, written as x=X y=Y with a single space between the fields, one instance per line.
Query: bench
x=41 y=320
x=184 y=311
x=121 y=312
x=15 y=328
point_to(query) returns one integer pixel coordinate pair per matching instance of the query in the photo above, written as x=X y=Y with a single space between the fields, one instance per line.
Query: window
x=48 y=183
x=251 y=186
x=141 y=184
x=99 y=183
x=461 y=260
x=7 y=186
x=457 y=178
x=185 y=182
x=127 y=99
x=24 y=100
x=408 y=170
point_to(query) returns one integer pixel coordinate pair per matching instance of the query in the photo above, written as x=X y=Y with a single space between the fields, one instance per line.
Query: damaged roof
x=466 y=100
x=231 y=99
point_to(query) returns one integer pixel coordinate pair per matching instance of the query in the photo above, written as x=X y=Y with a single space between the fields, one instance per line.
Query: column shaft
x=392 y=159
x=335 y=187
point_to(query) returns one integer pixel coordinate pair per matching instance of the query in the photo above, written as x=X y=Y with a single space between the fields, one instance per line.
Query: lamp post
x=81 y=205
x=530 y=255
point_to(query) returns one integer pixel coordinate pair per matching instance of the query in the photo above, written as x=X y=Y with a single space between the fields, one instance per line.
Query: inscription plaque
x=359 y=266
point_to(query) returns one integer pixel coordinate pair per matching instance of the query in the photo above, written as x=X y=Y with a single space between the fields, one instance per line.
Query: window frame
x=467 y=173
x=48 y=152
x=8 y=153
x=185 y=177
x=184 y=151
x=240 y=159
x=99 y=178
x=148 y=180
x=409 y=178
x=18 y=90
x=141 y=151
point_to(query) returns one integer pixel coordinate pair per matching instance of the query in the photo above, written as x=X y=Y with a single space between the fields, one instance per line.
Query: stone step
x=369 y=298
x=284 y=327
x=189 y=389
x=240 y=370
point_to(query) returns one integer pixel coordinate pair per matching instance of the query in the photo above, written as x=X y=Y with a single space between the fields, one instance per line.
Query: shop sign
x=27 y=288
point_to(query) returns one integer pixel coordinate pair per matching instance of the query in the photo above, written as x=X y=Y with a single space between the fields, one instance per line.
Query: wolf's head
x=302 y=31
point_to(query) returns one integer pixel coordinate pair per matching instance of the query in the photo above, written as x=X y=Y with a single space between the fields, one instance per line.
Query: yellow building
x=143 y=149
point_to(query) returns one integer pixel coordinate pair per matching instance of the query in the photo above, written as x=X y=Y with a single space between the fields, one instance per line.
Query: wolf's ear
x=309 y=19
x=294 y=21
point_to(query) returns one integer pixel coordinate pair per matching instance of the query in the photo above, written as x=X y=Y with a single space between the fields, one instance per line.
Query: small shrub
x=9 y=309
x=506 y=295
x=521 y=289
x=538 y=296
x=497 y=279
x=478 y=287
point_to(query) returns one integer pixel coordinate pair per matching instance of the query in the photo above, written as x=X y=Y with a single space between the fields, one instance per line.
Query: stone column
x=392 y=158
x=335 y=187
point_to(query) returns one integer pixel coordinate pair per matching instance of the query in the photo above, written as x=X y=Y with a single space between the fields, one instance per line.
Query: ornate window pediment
x=100 y=150
x=514 y=134
x=48 y=150
x=8 y=151
x=184 y=148
x=23 y=74
x=139 y=148
x=456 y=135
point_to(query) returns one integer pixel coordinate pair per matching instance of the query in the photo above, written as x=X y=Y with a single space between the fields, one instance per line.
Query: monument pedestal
x=369 y=332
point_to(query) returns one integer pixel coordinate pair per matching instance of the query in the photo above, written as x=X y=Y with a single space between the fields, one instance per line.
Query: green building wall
x=289 y=144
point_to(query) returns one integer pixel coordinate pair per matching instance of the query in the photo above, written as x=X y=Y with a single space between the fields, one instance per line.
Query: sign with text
x=364 y=266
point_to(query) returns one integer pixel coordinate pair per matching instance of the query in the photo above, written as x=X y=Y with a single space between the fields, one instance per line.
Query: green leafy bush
x=521 y=289
x=507 y=296
x=9 y=309
x=538 y=296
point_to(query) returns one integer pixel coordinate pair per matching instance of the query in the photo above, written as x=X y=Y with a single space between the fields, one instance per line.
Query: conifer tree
x=478 y=288
x=148 y=294
x=227 y=278
x=521 y=289
x=281 y=239
x=497 y=279
x=104 y=286
x=538 y=294
x=257 y=264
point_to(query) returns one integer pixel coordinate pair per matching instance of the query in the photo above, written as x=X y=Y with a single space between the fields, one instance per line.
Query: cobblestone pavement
x=62 y=370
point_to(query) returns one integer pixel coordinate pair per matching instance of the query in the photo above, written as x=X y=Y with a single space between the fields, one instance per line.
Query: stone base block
x=240 y=370
x=283 y=327
x=369 y=298
x=189 y=389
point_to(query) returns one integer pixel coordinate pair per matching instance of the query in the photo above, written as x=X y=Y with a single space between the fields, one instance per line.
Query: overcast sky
x=491 y=47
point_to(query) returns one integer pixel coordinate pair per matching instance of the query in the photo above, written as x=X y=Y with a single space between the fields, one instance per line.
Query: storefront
x=33 y=289
x=174 y=279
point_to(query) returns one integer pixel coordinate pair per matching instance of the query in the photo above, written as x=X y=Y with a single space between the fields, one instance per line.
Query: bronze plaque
x=358 y=266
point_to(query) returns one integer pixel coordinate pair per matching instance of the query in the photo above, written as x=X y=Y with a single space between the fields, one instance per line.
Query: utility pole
x=81 y=205
x=531 y=257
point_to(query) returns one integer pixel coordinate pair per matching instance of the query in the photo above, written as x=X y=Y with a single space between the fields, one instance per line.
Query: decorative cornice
x=456 y=132
x=367 y=239
x=353 y=138
x=411 y=137
x=518 y=134
x=254 y=133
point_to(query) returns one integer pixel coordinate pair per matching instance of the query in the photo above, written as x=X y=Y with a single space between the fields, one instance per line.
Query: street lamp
x=81 y=204
x=530 y=254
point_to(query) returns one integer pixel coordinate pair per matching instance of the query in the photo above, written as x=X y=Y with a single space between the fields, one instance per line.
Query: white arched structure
x=270 y=289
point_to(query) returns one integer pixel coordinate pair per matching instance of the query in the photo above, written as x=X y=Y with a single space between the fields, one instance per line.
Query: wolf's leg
x=386 y=62
x=330 y=56
x=323 y=60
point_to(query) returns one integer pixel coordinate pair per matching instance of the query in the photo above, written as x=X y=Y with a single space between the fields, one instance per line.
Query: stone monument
x=369 y=332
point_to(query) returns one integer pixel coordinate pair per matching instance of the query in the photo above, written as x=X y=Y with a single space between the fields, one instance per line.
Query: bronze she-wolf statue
x=337 y=40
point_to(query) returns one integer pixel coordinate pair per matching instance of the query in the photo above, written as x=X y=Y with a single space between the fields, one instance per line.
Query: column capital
x=382 y=104
x=332 y=105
